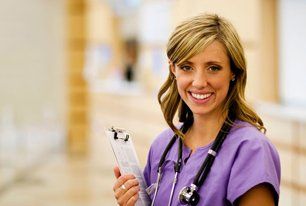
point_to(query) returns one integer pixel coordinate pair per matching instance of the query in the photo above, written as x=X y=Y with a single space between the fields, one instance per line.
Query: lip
x=200 y=101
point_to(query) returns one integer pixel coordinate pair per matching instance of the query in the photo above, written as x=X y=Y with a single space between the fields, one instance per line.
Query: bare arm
x=259 y=195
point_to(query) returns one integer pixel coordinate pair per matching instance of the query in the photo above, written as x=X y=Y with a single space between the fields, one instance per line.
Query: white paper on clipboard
x=127 y=160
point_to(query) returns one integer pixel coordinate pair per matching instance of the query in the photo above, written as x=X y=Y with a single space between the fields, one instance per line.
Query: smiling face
x=203 y=80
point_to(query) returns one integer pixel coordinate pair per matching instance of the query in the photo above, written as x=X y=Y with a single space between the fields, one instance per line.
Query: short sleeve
x=147 y=169
x=256 y=162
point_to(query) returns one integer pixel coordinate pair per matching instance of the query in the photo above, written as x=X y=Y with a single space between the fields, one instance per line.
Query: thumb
x=117 y=172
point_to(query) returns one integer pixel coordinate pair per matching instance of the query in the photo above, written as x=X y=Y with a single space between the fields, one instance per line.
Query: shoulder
x=246 y=130
x=253 y=157
x=161 y=140
x=245 y=142
x=245 y=134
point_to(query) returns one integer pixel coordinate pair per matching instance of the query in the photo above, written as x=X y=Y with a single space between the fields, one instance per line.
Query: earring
x=233 y=79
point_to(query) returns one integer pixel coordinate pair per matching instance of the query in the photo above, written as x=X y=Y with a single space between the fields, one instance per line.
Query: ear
x=171 y=67
x=233 y=78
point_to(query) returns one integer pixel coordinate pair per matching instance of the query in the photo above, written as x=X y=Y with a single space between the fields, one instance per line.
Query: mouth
x=200 y=96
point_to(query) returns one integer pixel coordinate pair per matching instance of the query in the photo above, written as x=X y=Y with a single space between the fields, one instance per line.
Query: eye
x=214 y=68
x=185 y=67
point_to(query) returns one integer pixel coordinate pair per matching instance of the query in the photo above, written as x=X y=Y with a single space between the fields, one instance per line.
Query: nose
x=199 y=80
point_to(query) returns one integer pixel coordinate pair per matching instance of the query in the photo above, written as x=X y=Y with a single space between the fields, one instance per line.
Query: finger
x=131 y=183
x=117 y=172
x=133 y=200
x=121 y=180
x=128 y=184
x=123 y=199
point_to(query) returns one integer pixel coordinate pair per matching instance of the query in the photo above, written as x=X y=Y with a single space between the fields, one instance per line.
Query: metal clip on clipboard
x=127 y=160
x=117 y=133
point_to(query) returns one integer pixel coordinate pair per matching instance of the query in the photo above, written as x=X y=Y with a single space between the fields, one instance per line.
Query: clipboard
x=127 y=160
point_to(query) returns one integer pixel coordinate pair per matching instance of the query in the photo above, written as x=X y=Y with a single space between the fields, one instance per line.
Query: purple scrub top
x=247 y=158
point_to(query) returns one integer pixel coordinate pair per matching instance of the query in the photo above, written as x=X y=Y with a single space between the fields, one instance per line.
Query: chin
x=204 y=110
x=201 y=112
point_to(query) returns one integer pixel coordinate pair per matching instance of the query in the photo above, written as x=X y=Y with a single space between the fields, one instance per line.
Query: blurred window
x=292 y=52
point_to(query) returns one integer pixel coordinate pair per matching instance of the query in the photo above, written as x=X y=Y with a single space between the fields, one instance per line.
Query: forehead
x=215 y=51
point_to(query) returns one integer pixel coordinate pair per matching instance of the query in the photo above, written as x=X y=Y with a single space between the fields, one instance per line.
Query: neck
x=203 y=130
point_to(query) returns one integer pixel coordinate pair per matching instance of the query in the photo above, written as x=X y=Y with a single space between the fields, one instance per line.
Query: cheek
x=182 y=83
x=180 y=87
x=222 y=82
x=222 y=86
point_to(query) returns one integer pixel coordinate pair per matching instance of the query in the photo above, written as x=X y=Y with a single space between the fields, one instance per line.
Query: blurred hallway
x=64 y=180
x=71 y=69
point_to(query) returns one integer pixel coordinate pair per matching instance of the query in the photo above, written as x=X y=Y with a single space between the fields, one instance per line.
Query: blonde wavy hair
x=190 y=38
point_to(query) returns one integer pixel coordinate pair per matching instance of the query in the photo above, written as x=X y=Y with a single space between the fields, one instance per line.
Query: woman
x=206 y=86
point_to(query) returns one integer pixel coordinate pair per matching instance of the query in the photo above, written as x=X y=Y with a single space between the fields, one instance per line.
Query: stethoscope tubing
x=172 y=189
x=159 y=174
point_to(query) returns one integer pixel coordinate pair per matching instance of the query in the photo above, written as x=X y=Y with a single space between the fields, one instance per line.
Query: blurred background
x=69 y=69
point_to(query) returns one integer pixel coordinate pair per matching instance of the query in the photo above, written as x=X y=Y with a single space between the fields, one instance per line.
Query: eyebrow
x=206 y=63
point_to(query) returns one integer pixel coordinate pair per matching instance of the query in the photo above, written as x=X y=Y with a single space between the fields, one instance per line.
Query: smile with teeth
x=201 y=96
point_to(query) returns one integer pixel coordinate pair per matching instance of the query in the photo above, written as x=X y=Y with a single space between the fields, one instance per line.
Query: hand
x=126 y=188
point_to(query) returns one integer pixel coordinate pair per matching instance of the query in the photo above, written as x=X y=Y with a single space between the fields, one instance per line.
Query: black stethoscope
x=189 y=195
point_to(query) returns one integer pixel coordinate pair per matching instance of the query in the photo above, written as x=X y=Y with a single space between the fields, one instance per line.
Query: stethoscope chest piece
x=189 y=195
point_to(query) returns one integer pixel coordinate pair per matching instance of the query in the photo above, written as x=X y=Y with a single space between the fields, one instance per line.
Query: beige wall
x=32 y=62
x=269 y=72
x=32 y=85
